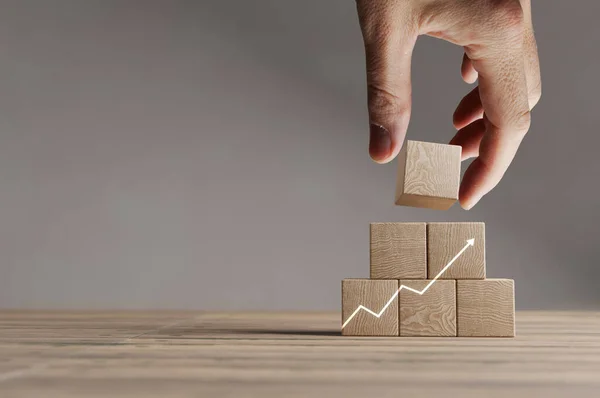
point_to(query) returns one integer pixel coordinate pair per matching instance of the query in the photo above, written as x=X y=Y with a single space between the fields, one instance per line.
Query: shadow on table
x=291 y=332
x=276 y=332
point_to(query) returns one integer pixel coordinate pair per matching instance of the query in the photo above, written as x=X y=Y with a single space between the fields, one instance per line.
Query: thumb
x=388 y=48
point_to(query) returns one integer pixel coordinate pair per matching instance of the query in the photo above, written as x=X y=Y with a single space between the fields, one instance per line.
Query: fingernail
x=380 y=142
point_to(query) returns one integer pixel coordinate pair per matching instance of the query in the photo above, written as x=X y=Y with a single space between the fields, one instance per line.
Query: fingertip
x=473 y=186
x=385 y=156
x=384 y=146
x=459 y=121
x=469 y=138
x=467 y=205
x=467 y=202
x=380 y=159
x=380 y=143
x=470 y=78
x=468 y=109
x=468 y=72
x=461 y=117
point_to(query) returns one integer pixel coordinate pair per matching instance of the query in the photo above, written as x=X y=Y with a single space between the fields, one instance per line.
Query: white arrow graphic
x=470 y=242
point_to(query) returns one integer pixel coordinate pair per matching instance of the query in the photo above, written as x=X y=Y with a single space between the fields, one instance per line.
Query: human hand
x=500 y=52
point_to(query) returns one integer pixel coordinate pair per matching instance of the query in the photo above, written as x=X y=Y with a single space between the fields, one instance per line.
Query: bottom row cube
x=419 y=308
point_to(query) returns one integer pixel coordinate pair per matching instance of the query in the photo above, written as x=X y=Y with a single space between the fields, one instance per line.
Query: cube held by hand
x=428 y=175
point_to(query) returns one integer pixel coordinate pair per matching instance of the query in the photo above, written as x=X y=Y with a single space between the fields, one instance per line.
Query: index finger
x=503 y=92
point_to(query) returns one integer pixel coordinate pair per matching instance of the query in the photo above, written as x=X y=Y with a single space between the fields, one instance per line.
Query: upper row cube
x=421 y=251
x=399 y=250
x=428 y=175
x=445 y=239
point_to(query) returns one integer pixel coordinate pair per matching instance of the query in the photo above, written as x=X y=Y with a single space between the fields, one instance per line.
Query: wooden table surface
x=184 y=354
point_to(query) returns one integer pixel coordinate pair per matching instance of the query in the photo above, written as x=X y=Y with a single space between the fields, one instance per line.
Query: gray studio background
x=213 y=155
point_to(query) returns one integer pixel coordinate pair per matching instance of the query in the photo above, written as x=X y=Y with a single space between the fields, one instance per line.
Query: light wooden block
x=485 y=308
x=428 y=175
x=398 y=251
x=431 y=314
x=373 y=294
x=445 y=240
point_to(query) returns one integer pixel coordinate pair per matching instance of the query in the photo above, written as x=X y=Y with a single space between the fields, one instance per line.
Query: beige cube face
x=398 y=251
x=428 y=175
x=374 y=295
x=431 y=314
x=485 y=308
x=445 y=240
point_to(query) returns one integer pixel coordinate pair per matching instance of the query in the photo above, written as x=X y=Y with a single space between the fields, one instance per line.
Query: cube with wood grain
x=485 y=308
x=376 y=296
x=398 y=250
x=430 y=314
x=428 y=175
x=445 y=240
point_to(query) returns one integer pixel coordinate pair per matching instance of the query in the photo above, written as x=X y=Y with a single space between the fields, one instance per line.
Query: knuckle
x=384 y=105
x=501 y=19
x=509 y=16
x=377 y=59
x=522 y=123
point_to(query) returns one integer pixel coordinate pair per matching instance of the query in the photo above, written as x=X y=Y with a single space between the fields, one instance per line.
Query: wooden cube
x=398 y=251
x=485 y=308
x=374 y=295
x=428 y=175
x=431 y=314
x=445 y=240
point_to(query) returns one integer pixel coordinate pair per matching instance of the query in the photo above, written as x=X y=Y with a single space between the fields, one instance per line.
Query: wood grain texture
x=485 y=308
x=373 y=294
x=445 y=240
x=431 y=314
x=398 y=250
x=282 y=354
x=428 y=175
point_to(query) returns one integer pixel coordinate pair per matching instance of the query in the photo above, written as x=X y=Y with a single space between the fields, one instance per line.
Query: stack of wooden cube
x=428 y=279
x=459 y=302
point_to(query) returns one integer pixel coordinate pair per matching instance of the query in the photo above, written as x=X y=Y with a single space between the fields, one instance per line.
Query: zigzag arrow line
x=470 y=242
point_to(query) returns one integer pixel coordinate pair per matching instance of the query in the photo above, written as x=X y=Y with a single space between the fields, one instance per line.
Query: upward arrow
x=470 y=242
